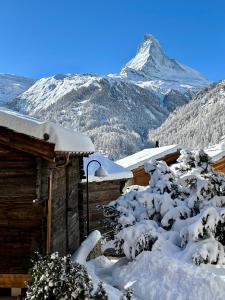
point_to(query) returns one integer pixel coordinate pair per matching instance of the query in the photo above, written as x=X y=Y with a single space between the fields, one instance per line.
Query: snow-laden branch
x=86 y=247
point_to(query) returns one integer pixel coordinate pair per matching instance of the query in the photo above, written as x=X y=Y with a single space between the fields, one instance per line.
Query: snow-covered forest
x=198 y=124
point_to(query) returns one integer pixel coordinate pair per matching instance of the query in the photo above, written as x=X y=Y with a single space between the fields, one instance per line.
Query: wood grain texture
x=65 y=218
x=25 y=169
x=13 y=280
x=219 y=165
x=100 y=193
x=21 y=219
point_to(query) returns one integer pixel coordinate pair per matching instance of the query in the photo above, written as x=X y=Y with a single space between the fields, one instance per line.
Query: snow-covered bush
x=128 y=295
x=56 y=278
x=183 y=209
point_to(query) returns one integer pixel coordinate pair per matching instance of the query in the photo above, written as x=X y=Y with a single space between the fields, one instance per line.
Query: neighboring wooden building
x=135 y=162
x=219 y=165
x=102 y=190
x=217 y=155
x=41 y=166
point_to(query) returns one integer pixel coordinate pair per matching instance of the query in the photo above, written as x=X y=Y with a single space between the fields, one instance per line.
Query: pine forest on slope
x=198 y=124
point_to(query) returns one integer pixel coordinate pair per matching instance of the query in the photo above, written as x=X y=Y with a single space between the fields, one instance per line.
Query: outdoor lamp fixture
x=100 y=172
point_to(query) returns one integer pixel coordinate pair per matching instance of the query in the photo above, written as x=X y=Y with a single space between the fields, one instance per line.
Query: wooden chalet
x=217 y=155
x=135 y=162
x=102 y=190
x=41 y=166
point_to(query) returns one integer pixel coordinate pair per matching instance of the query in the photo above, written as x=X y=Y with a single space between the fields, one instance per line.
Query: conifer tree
x=54 y=277
x=128 y=295
x=100 y=293
x=183 y=206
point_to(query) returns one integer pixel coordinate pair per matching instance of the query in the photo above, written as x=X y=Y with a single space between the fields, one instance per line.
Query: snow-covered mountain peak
x=151 y=38
x=152 y=63
x=149 y=52
x=108 y=108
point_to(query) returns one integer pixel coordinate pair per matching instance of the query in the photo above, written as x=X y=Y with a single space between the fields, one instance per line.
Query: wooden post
x=67 y=207
x=49 y=219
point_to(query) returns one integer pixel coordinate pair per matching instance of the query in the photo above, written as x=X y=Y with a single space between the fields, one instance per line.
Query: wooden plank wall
x=73 y=181
x=219 y=166
x=20 y=219
x=100 y=193
x=59 y=210
x=65 y=219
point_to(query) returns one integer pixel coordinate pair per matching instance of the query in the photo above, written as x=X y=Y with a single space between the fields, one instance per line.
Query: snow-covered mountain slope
x=198 y=124
x=11 y=86
x=117 y=111
x=116 y=114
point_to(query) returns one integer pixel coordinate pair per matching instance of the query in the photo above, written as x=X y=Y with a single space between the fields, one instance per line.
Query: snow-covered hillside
x=11 y=86
x=117 y=111
x=116 y=114
x=198 y=124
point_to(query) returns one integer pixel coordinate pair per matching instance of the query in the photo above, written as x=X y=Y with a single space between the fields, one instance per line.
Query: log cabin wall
x=65 y=219
x=58 y=211
x=100 y=193
x=27 y=170
x=73 y=182
x=21 y=220
x=24 y=191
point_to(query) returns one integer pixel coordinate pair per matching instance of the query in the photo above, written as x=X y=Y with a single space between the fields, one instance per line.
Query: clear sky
x=44 y=37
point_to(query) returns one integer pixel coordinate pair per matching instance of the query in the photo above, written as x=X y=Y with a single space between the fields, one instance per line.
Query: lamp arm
x=94 y=160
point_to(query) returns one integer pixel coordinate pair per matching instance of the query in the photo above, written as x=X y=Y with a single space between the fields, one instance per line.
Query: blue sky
x=45 y=37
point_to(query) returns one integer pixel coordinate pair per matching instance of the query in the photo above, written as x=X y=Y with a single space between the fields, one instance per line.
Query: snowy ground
x=155 y=276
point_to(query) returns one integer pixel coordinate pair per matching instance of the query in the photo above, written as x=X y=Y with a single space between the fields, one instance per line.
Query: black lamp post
x=100 y=172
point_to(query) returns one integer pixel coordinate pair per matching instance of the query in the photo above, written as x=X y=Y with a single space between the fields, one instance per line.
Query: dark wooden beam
x=27 y=143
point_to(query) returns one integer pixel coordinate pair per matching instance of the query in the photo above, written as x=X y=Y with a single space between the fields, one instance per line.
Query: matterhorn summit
x=151 y=63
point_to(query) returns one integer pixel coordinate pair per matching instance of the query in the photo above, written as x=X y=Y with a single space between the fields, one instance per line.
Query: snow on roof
x=138 y=159
x=114 y=171
x=216 y=152
x=65 y=140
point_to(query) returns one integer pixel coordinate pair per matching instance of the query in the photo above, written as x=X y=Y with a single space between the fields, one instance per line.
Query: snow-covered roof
x=65 y=140
x=114 y=171
x=138 y=159
x=216 y=152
